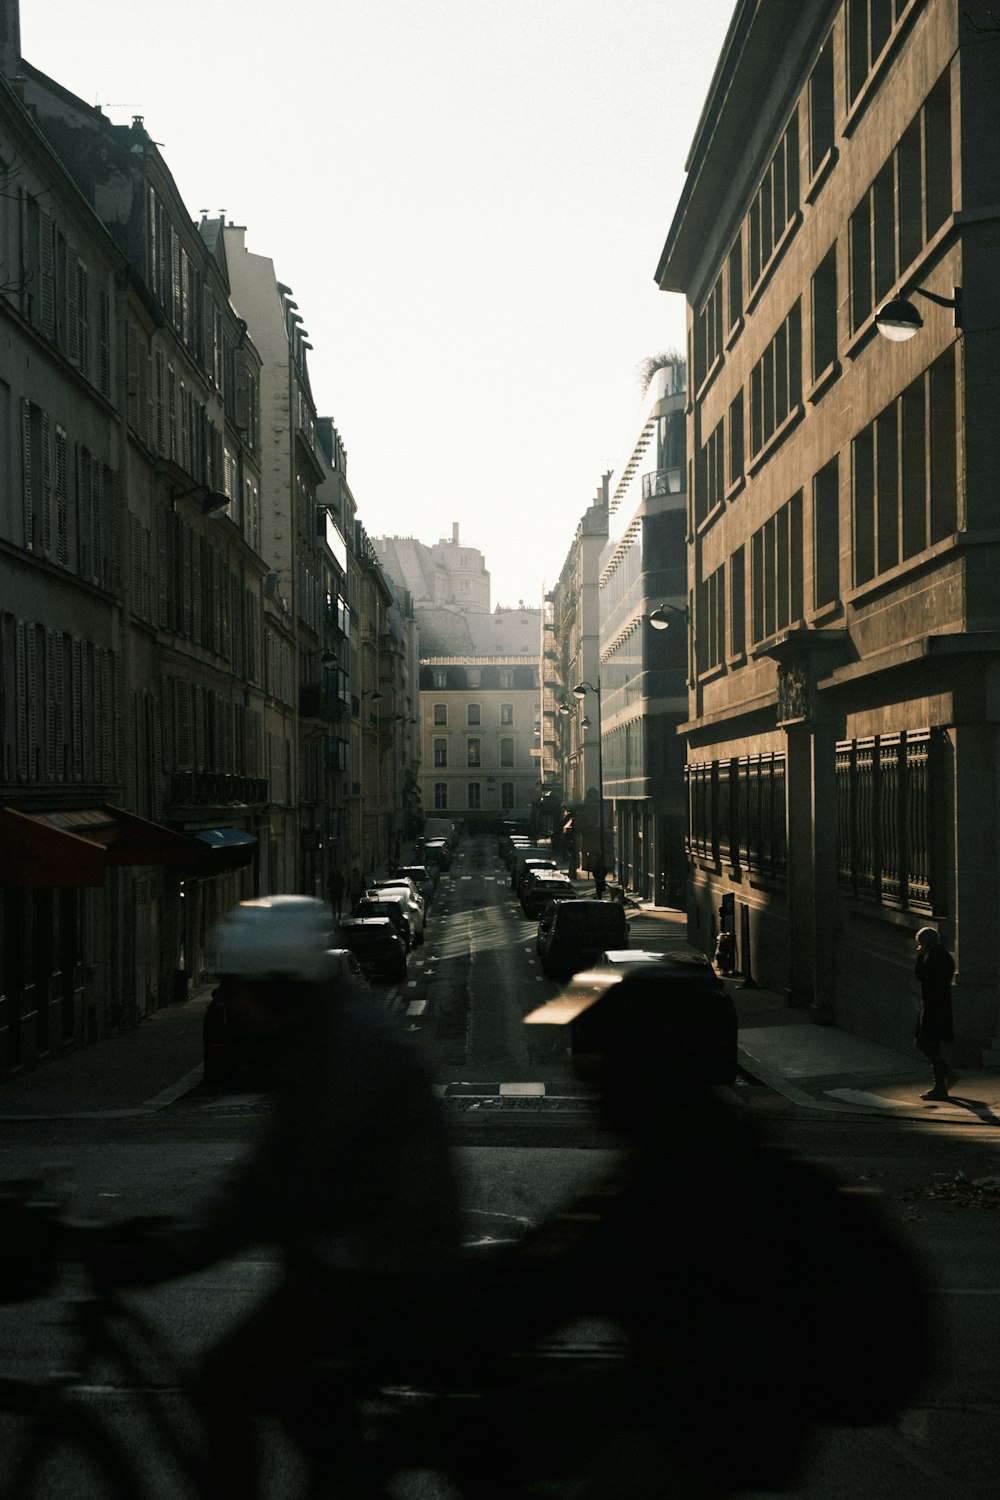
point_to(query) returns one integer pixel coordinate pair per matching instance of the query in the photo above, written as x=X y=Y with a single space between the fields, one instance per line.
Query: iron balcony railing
x=212 y=789
x=662 y=482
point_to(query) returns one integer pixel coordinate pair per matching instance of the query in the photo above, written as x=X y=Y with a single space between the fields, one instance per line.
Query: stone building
x=842 y=734
x=447 y=575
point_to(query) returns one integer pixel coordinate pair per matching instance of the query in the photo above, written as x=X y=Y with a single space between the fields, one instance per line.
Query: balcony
x=662 y=482
x=317 y=702
x=205 y=789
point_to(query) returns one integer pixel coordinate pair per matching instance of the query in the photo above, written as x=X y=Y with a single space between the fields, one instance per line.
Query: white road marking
x=522 y=1090
x=416 y=1007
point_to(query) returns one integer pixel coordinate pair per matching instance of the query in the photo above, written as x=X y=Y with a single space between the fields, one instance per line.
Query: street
x=527 y=1135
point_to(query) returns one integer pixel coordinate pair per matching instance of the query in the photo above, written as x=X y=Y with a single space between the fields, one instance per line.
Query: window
x=870 y=26
x=776 y=382
x=474 y=714
x=506 y=677
x=737 y=812
x=737 y=602
x=826 y=534
x=736 y=459
x=906 y=204
x=506 y=794
x=440 y=795
x=475 y=796
x=506 y=713
x=734 y=285
x=712 y=485
x=440 y=752
x=475 y=753
x=708 y=335
x=710 y=627
x=885 y=788
x=904 y=473
x=440 y=713
x=774 y=207
x=473 y=675
x=776 y=571
x=440 y=679
x=506 y=752
x=824 y=314
x=821 y=116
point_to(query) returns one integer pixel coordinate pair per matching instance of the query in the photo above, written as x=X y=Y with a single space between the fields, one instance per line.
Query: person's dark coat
x=934 y=969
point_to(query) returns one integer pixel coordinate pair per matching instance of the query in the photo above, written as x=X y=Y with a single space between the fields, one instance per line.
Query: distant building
x=447 y=574
x=843 y=730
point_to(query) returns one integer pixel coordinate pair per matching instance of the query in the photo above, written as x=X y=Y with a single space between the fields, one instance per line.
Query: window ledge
x=824 y=380
x=710 y=375
x=735 y=487
x=711 y=674
x=827 y=163
x=710 y=519
x=734 y=333
x=825 y=612
x=872 y=587
x=871 y=84
x=776 y=439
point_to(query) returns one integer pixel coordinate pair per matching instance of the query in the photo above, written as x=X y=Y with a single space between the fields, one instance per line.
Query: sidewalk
x=823 y=1068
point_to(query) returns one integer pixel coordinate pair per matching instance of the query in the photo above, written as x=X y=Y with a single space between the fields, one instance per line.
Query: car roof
x=372 y=923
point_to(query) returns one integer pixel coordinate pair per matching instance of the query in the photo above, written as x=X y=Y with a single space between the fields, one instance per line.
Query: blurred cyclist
x=757 y=1301
x=351 y=1183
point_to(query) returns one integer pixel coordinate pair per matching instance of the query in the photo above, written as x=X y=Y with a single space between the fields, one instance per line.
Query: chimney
x=454 y=532
x=10 y=37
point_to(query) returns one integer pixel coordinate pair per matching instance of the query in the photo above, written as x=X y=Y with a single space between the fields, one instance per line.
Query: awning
x=75 y=846
x=223 y=849
x=224 y=838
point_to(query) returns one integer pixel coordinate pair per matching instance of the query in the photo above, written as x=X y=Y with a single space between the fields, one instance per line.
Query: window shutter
x=45 y=426
x=21 y=700
x=61 y=497
x=28 y=477
x=104 y=342
x=47 y=260
x=76 y=719
x=31 y=684
x=72 y=310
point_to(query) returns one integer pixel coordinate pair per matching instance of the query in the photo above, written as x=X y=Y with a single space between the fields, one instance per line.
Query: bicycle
x=77 y=1446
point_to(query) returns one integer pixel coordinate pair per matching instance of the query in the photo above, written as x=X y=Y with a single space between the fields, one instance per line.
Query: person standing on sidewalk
x=337 y=887
x=934 y=969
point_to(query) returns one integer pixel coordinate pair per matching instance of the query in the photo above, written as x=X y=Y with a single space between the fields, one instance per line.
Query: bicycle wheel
x=72 y=1455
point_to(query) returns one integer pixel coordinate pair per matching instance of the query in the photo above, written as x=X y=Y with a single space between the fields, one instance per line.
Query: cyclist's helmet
x=275 y=937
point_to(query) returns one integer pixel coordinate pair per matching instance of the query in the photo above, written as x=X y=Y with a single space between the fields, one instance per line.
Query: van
x=572 y=935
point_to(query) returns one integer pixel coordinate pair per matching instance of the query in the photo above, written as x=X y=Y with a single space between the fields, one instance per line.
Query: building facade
x=842 y=729
x=644 y=670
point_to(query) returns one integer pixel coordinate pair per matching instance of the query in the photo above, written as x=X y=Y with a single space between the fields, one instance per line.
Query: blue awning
x=224 y=838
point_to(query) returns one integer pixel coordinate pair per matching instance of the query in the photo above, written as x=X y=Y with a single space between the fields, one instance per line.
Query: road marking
x=416 y=1007
x=522 y=1090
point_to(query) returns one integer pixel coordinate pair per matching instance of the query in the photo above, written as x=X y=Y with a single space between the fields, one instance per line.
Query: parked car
x=437 y=852
x=530 y=865
x=546 y=886
x=573 y=934
x=685 y=984
x=406 y=893
x=679 y=987
x=376 y=944
x=233 y=1041
x=424 y=877
x=385 y=906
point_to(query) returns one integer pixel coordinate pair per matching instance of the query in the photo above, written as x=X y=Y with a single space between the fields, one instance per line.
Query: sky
x=468 y=198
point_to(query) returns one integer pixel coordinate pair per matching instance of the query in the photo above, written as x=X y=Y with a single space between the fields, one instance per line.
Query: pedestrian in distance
x=934 y=968
x=356 y=885
x=599 y=871
x=337 y=887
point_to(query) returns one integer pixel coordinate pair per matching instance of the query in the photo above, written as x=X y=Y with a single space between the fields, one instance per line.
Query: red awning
x=75 y=846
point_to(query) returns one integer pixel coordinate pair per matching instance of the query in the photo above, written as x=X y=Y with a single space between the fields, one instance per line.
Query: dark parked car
x=679 y=988
x=546 y=886
x=233 y=1041
x=375 y=906
x=573 y=934
x=376 y=944
x=532 y=864
x=437 y=852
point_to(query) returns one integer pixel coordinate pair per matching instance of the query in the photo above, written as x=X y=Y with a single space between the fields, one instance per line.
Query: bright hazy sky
x=468 y=199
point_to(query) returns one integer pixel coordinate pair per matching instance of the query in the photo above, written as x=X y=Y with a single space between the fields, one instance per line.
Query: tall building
x=448 y=574
x=842 y=730
x=644 y=669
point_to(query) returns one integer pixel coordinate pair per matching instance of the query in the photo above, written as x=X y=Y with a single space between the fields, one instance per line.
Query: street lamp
x=580 y=691
x=899 y=320
x=659 y=620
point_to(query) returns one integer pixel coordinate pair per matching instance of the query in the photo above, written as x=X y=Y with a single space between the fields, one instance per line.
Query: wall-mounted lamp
x=585 y=722
x=660 y=620
x=564 y=708
x=214 y=503
x=373 y=694
x=899 y=320
x=327 y=658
